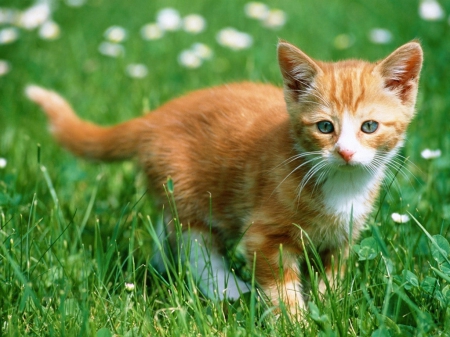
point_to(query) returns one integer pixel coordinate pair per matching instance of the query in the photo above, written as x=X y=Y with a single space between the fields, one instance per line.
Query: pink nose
x=346 y=154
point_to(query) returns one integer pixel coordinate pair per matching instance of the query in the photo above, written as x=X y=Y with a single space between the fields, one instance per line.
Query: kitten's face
x=351 y=113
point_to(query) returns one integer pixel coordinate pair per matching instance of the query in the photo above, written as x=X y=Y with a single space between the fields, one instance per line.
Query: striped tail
x=83 y=138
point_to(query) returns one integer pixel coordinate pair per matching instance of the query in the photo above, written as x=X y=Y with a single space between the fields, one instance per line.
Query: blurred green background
x=101 y=90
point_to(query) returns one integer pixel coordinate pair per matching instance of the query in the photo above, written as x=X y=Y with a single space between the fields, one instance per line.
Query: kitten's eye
x=325 y=126
x=369 y=126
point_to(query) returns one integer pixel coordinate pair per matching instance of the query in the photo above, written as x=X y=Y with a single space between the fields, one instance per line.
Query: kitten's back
x=197 y=114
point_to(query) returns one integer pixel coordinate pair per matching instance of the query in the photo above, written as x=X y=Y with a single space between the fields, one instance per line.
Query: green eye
x=369 y=126
x=325 y=126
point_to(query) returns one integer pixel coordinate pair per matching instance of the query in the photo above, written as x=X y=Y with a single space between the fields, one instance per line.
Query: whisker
x=316 y=168
x=394 y=166
x=324 y=173
x=297 y=156
x=386 y=166
x=397 y=165
x=389 y=177
x=294 y=170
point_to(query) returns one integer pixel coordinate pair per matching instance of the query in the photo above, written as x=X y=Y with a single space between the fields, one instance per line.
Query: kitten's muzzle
x=346 y=154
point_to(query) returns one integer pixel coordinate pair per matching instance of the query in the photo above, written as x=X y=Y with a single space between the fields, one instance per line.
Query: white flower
x=75 y=3
x=194 y=57
x=49 y=31
x=115 y=34
x=189 y=59
x=111 y=49
x=129 y=287
x=400 y=218
x=430 y=154
x=3 y=162
x=194 y=23
x=8 y=35
x=136 y=70
x=234 y=39
x=343 y=41
x=4 y=69
x=431 y=10
x=151 y=31
x=8 y=16
x=256 y=10
x=275 y=19
x=380 y=35
x=202 y=50
x=35 y=16
x=169 y=19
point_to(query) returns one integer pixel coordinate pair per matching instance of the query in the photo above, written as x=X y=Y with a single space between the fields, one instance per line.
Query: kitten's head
x=350 y=112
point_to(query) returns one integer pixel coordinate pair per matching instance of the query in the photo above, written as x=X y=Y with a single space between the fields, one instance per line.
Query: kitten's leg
x=209 y=267
x=334 y=264
x=276 y=273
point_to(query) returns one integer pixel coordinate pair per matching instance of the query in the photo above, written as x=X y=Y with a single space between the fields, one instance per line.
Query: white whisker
x=297 y=156
x=313 y=170
x=294 y=170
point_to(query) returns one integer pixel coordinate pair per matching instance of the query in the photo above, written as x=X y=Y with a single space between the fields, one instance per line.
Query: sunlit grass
x=75 y=235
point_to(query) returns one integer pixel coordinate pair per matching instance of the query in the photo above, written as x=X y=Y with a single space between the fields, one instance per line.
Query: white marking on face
x=348 y=148
x=348 y=186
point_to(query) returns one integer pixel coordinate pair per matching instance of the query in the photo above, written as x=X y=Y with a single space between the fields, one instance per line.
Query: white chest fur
x=348 y=194
x=347 y=198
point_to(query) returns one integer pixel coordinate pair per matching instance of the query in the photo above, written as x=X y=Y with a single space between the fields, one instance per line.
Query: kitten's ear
x=401 y=71
x=297 y=68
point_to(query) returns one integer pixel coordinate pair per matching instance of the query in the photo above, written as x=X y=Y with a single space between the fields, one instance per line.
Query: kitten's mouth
x=348 y=166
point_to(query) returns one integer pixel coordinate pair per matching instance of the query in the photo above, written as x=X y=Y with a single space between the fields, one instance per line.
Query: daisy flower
x=129 y=287
x=430 y=154
x=111 y=49
x=194 y=23
x=234 y=39
x=275 y=19
x=137 y=70
x=4 y=69
x=8 y=35
x=400 y=218
x=380 y=36
x=431 y=10
x=256 y=10
x=151 y=31
x=9 y=16
x=35 y=16
x=169 y=19
x=115 y=34
x=49 y=30
x=202 y=50
x=189 y=59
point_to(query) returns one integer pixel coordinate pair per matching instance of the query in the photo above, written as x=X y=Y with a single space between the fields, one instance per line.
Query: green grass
x=72 y=233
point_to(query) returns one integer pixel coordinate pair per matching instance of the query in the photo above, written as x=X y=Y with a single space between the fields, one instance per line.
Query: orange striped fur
x=259 y=157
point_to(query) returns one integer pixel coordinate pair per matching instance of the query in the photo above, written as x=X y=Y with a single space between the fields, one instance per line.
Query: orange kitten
x=259 y=164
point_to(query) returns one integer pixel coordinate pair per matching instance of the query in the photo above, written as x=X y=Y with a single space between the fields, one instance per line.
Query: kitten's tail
x=83 y=138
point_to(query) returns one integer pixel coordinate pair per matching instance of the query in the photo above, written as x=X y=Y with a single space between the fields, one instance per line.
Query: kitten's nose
x=346 y=154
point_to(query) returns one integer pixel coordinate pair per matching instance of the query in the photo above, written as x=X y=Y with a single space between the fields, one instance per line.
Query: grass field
x=76 y=237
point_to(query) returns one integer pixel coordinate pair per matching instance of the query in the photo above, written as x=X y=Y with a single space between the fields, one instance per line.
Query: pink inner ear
x=401 y=70
x=404 y=71
x=297 y=68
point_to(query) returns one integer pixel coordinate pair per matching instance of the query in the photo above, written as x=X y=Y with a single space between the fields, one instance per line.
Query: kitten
x=265 y=166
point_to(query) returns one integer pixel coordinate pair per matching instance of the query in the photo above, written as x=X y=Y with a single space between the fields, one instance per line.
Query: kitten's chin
x=349 y=167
